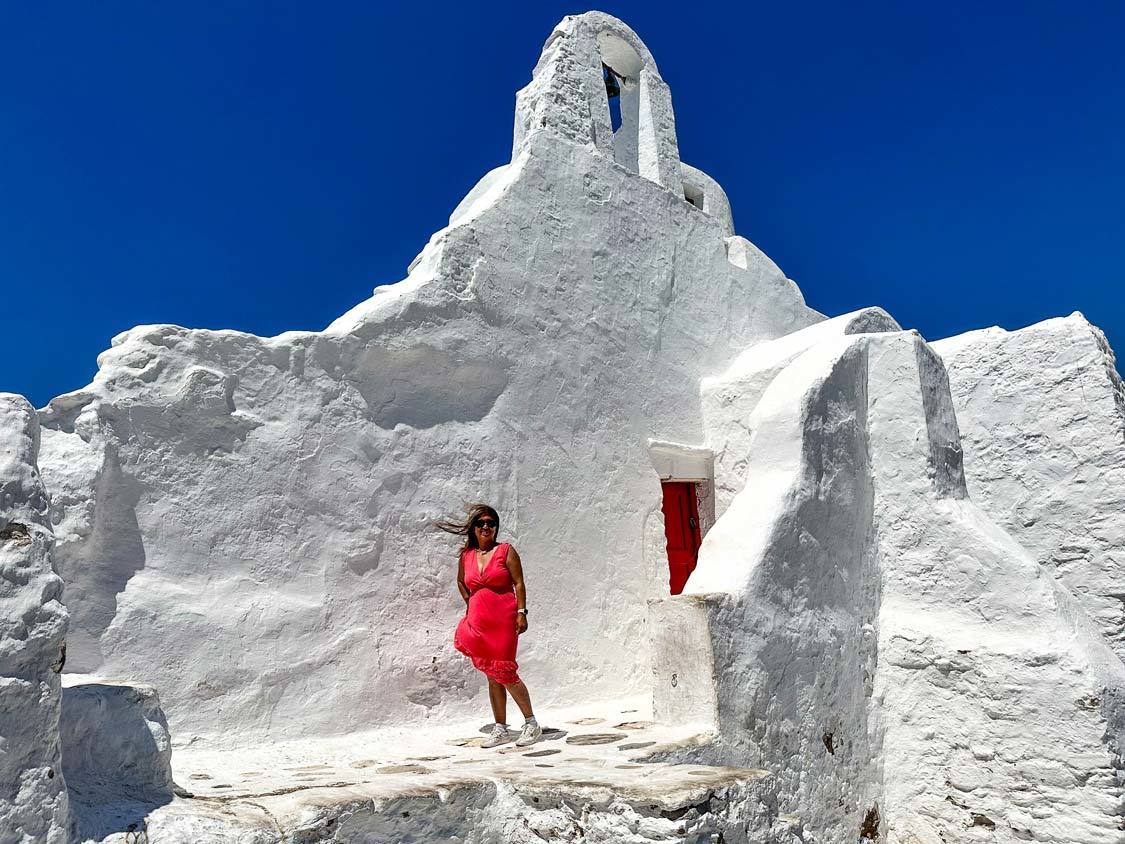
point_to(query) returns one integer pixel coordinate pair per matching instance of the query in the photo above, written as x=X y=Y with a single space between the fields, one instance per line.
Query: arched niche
x=626 y=65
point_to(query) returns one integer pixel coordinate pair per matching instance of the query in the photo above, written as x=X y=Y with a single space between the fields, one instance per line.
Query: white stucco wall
x=1042 y=414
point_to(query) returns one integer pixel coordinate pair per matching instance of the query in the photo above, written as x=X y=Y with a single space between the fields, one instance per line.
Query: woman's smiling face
x=485 y=528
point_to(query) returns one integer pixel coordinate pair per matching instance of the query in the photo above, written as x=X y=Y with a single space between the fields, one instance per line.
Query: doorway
x=681 y=530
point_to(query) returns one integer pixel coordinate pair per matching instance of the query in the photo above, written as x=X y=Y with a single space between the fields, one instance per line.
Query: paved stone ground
x=438 y=783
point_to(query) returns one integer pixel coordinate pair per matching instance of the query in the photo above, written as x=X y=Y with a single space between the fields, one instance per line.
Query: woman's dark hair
x=465 y=527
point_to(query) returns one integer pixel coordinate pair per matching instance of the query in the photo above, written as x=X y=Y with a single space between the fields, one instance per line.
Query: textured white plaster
x=92 y=515
x=978 y=647
x=684 y=678
x=789 y=580
x=1042 y=414
x=715 y=202
x=116 y=754
x=33 y=799
x=483 y=195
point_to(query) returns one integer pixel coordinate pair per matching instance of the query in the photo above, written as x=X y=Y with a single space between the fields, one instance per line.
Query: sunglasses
x=485 y=523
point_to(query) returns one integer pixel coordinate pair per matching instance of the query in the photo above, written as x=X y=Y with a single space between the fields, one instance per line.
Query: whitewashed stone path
x=439 y=784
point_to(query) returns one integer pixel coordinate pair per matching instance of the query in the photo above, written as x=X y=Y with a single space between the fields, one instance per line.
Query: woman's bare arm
x=461 y=587
x=515 y=569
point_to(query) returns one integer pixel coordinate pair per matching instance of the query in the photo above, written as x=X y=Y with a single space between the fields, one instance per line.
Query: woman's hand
x=521 y=623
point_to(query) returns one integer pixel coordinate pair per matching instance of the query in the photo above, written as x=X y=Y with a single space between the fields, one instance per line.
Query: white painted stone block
x=684 y=682
x=680 y=462
x=115 y=743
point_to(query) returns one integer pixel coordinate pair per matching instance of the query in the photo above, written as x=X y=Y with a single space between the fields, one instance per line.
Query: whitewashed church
x=792 y=577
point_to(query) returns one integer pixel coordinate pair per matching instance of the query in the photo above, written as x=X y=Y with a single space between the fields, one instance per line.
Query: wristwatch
x=523 y=610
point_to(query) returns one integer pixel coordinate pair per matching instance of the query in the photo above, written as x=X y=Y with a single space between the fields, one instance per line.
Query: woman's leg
x=499 y=701
x=520 y=695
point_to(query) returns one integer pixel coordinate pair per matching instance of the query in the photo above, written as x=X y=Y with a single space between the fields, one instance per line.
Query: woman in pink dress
x=490 y=580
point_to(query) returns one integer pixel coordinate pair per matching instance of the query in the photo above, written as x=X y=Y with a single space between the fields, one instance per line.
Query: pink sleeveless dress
x=487 y=634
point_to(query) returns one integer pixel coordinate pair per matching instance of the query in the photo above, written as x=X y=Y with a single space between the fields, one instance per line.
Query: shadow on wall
x=99 y=569
x=946 y=456
x=116 y=753
x=423 y=387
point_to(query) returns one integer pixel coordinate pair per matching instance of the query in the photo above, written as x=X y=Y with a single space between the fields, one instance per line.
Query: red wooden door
x=681 y=529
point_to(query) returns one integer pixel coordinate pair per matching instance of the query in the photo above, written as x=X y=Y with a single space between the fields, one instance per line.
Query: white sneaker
x=531 y=733
x=497 y=735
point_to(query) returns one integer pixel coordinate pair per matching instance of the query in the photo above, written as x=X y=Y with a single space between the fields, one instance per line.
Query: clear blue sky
x=262 y=166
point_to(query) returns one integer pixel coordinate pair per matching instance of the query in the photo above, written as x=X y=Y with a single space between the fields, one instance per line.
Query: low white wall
x=684 y=682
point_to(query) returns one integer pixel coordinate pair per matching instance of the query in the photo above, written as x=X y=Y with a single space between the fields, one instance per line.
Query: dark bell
x=612 y=88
